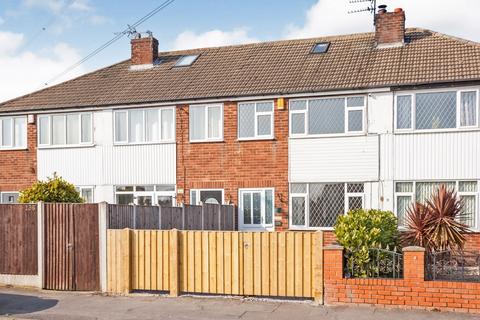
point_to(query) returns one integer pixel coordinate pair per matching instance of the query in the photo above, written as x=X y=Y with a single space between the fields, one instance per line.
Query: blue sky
x=30 y=56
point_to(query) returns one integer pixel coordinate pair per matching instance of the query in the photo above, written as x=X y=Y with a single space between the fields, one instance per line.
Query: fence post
x=102 y=239
x=40 y=243
x=318 y=267
x=125 y=262
x=174 y=263
x=414 y=263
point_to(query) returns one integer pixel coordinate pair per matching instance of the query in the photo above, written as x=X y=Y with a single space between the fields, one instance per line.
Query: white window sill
x=143 y=143
x=67 y=146
x=423 y=131
x=300 y=228
x=256 y=139
x=207 y=141
x=317 y=136
x=13 y=149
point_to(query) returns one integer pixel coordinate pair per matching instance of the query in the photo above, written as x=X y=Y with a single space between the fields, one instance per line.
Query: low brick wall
x=411 y=292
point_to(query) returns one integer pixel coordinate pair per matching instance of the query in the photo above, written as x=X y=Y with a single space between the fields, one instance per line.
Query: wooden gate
x=71 y=247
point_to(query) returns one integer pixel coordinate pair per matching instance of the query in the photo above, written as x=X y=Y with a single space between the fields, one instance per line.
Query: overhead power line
x=113 y=40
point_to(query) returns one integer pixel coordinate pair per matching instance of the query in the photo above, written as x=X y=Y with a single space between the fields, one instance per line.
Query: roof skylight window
x=321 y=47
x=186 y=61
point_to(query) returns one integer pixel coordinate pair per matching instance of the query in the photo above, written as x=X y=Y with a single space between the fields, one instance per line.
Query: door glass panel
x=268 y=206
x=144 y=200
x=247 y=208
x=165 y=201
x=257 y=208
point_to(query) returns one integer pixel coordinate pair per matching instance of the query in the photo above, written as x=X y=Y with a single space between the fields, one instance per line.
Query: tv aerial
x=370 y=7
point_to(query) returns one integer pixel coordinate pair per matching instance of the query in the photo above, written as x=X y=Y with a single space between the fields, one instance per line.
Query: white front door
x=256 y=209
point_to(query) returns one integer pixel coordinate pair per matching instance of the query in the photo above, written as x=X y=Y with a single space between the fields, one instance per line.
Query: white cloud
x=213 y=38
x=81 y=5
x=52 y=5
x=25 y=71
x=327 y=17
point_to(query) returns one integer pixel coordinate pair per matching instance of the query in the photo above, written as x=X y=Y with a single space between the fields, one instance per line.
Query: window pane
x=58 y=130
x=404 y=187
x=247 y=208
x=355 y=188
x=121 y=126
x=298 y=123
x=214 y=122
x=298 y=188
x=165 y=201
x=468 y=215
x=124 y=188
x=165 y=187
x=257 y=207
x=356 y=102
x=268 y=206
x=7 y=139
x=124 y=198
x=167 y=124
x=20 y=132
x=193 y=197
x=197 y=123
x=144 y=188
x=326 y=116
x=135 y=124
x=87 y=195
x=44 y=130
x=264 y=107
x=211 y=196
x=246 y=120
x=298 y=105
x=467 y=186
x=153 y=125
x=9 y=198
x=403 y=202
x=264 y=125
x=355 y=203
x=355 y=120
x=73 y=129
x=86 y=127
x=468 y=109
x=298 y=211
x=436 y=110
x=327 y=202
x=424 y=190
x=404 y=112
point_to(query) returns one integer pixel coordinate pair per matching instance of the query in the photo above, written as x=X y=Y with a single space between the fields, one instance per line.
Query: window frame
x=155 y=193
x=197 y=197
x=345 y=133
x=306 y=196
x=263 y=225
x=413 y=95
x=144 y=123
x=257 y=114
x=81 y=188
x=50 y=145
x=8 y=192
x=207 y=139
x=24 y=143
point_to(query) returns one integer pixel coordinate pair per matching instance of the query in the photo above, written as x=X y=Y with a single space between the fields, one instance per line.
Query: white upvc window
x=442 y=110
x=9 y=197
x=206 y=123
x=212 y=196
x=255 y=120
x=327 y=116
x=65 y=129
x=408 y=192
x=317 y=205
x=13 y=132
x=86 y=192
x=143 y=126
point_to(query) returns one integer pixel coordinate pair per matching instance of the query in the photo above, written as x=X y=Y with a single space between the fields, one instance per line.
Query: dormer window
x=321 y=47
x=186 y=61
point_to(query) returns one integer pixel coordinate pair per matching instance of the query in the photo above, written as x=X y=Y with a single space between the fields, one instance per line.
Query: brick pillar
x=332 y=273
x=414 y=263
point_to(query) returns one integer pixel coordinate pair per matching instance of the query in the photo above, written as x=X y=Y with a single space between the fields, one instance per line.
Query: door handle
x=69 y=246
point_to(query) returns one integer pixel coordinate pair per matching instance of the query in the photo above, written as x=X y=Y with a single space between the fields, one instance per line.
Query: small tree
x=54 y=189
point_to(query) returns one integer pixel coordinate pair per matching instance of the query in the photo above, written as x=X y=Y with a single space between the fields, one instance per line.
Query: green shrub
x=360 y=230
x=54 y=189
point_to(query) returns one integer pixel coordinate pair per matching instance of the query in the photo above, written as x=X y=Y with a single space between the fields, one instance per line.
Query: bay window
x=317 y=205
x=65 y=129
x=13 y=132
x=327 y=116
x=255 y=120
x=206 y=123
x=144 y=125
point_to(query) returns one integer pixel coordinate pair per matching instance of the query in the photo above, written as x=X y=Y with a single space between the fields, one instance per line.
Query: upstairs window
x=206 y=123
x=321 y=47
x=186 y=61
x=437 y=110
x=65 y=129
x=13 y=132
x=144 y=125
x=327 y=116
x=255 y=120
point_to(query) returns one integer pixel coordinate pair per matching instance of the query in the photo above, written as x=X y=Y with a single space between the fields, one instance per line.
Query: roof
x=268 y=68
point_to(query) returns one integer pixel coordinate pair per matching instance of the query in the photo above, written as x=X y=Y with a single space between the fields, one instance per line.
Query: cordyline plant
x=434 y=225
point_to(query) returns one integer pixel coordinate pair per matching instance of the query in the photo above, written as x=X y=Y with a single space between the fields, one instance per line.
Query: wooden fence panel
x=18 y=239
x=147 y=217
x=282 y=264
x=120 y=216
x=193 y=217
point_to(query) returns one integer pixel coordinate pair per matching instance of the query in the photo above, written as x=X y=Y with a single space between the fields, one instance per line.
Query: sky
x=40 y=39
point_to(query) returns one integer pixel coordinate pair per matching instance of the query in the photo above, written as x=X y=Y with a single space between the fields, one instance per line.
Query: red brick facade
x=233 y=164
x=411 y=292
x=19 y=167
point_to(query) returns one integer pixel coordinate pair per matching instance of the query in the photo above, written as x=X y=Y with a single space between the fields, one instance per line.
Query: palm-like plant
x=434 y=225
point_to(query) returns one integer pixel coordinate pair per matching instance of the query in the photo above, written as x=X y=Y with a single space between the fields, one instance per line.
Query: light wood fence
x=279 y=264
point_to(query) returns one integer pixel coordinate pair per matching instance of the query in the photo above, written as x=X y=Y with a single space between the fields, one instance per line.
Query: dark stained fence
x=188 y=217
x=18 y=239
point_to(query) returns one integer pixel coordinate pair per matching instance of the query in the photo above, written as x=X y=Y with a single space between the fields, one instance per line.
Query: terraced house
x=294 y=132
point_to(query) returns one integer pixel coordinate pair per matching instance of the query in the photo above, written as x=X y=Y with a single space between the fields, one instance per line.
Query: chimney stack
x=389 y=27
x=144 y=50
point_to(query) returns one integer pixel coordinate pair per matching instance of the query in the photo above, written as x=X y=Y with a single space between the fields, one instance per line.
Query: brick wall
x=233 y=164
x=19 y=167
x=411 y=292
x=390 y=27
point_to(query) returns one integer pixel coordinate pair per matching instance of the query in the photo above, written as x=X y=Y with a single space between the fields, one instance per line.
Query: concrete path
x=30 y=304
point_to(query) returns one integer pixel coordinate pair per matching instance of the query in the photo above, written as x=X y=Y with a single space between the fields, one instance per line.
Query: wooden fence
x=187 y=217
x=18 y=239
x=280 y=264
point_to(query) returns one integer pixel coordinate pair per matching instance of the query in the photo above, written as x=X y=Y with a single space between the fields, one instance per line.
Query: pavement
x=35 y=304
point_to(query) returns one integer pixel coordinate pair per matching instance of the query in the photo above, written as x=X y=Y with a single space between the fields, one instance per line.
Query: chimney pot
x=144 y=50
x=382 y=8
x=398 y=10
x=389 y=27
